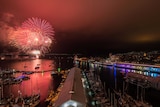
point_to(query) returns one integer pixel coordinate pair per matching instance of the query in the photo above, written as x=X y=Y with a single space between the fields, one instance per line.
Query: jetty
x=72 y=93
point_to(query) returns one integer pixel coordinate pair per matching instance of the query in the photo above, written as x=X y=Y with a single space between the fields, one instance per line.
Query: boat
x=53 y=99
x=31 y=101
x=13 y=80
x=28 y=72
x=50 y=96
x=16 y=81
x=37 y=67
x=54 y=74
x=22 y=77
x=7 y=81
x=4 y=101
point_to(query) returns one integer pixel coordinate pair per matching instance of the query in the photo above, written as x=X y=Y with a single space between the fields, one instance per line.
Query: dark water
x=39 y=82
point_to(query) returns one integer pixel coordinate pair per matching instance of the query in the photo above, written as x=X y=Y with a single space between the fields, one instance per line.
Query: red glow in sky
x=110 y=24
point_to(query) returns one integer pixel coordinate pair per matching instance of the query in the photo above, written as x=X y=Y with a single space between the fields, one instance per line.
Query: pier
x=72 y=92
x=135 y=66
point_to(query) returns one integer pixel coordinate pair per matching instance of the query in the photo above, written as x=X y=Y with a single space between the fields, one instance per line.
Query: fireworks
x=34 y=34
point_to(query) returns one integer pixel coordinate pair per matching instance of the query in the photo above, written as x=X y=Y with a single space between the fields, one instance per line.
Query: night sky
x=89 y=26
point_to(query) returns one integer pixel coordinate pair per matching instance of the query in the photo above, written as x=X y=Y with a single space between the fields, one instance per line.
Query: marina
x=124 y=86
x=102 y=86
x=33 y=91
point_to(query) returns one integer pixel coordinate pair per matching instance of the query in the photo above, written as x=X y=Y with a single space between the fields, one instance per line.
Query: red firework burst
x=34 y=34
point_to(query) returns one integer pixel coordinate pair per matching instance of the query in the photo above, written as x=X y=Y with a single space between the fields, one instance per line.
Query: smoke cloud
x=6 y=30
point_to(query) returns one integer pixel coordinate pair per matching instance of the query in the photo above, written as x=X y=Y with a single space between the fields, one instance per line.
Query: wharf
x=72 y=93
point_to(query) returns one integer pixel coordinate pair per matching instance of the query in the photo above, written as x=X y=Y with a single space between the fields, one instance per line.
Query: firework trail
x=34 y=34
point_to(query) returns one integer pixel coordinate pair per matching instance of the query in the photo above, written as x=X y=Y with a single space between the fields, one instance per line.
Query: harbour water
x=40 y=82
x=43 y=82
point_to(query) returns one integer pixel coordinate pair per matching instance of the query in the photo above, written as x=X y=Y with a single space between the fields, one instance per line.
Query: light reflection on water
x=39 y=82
x=29 y=65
